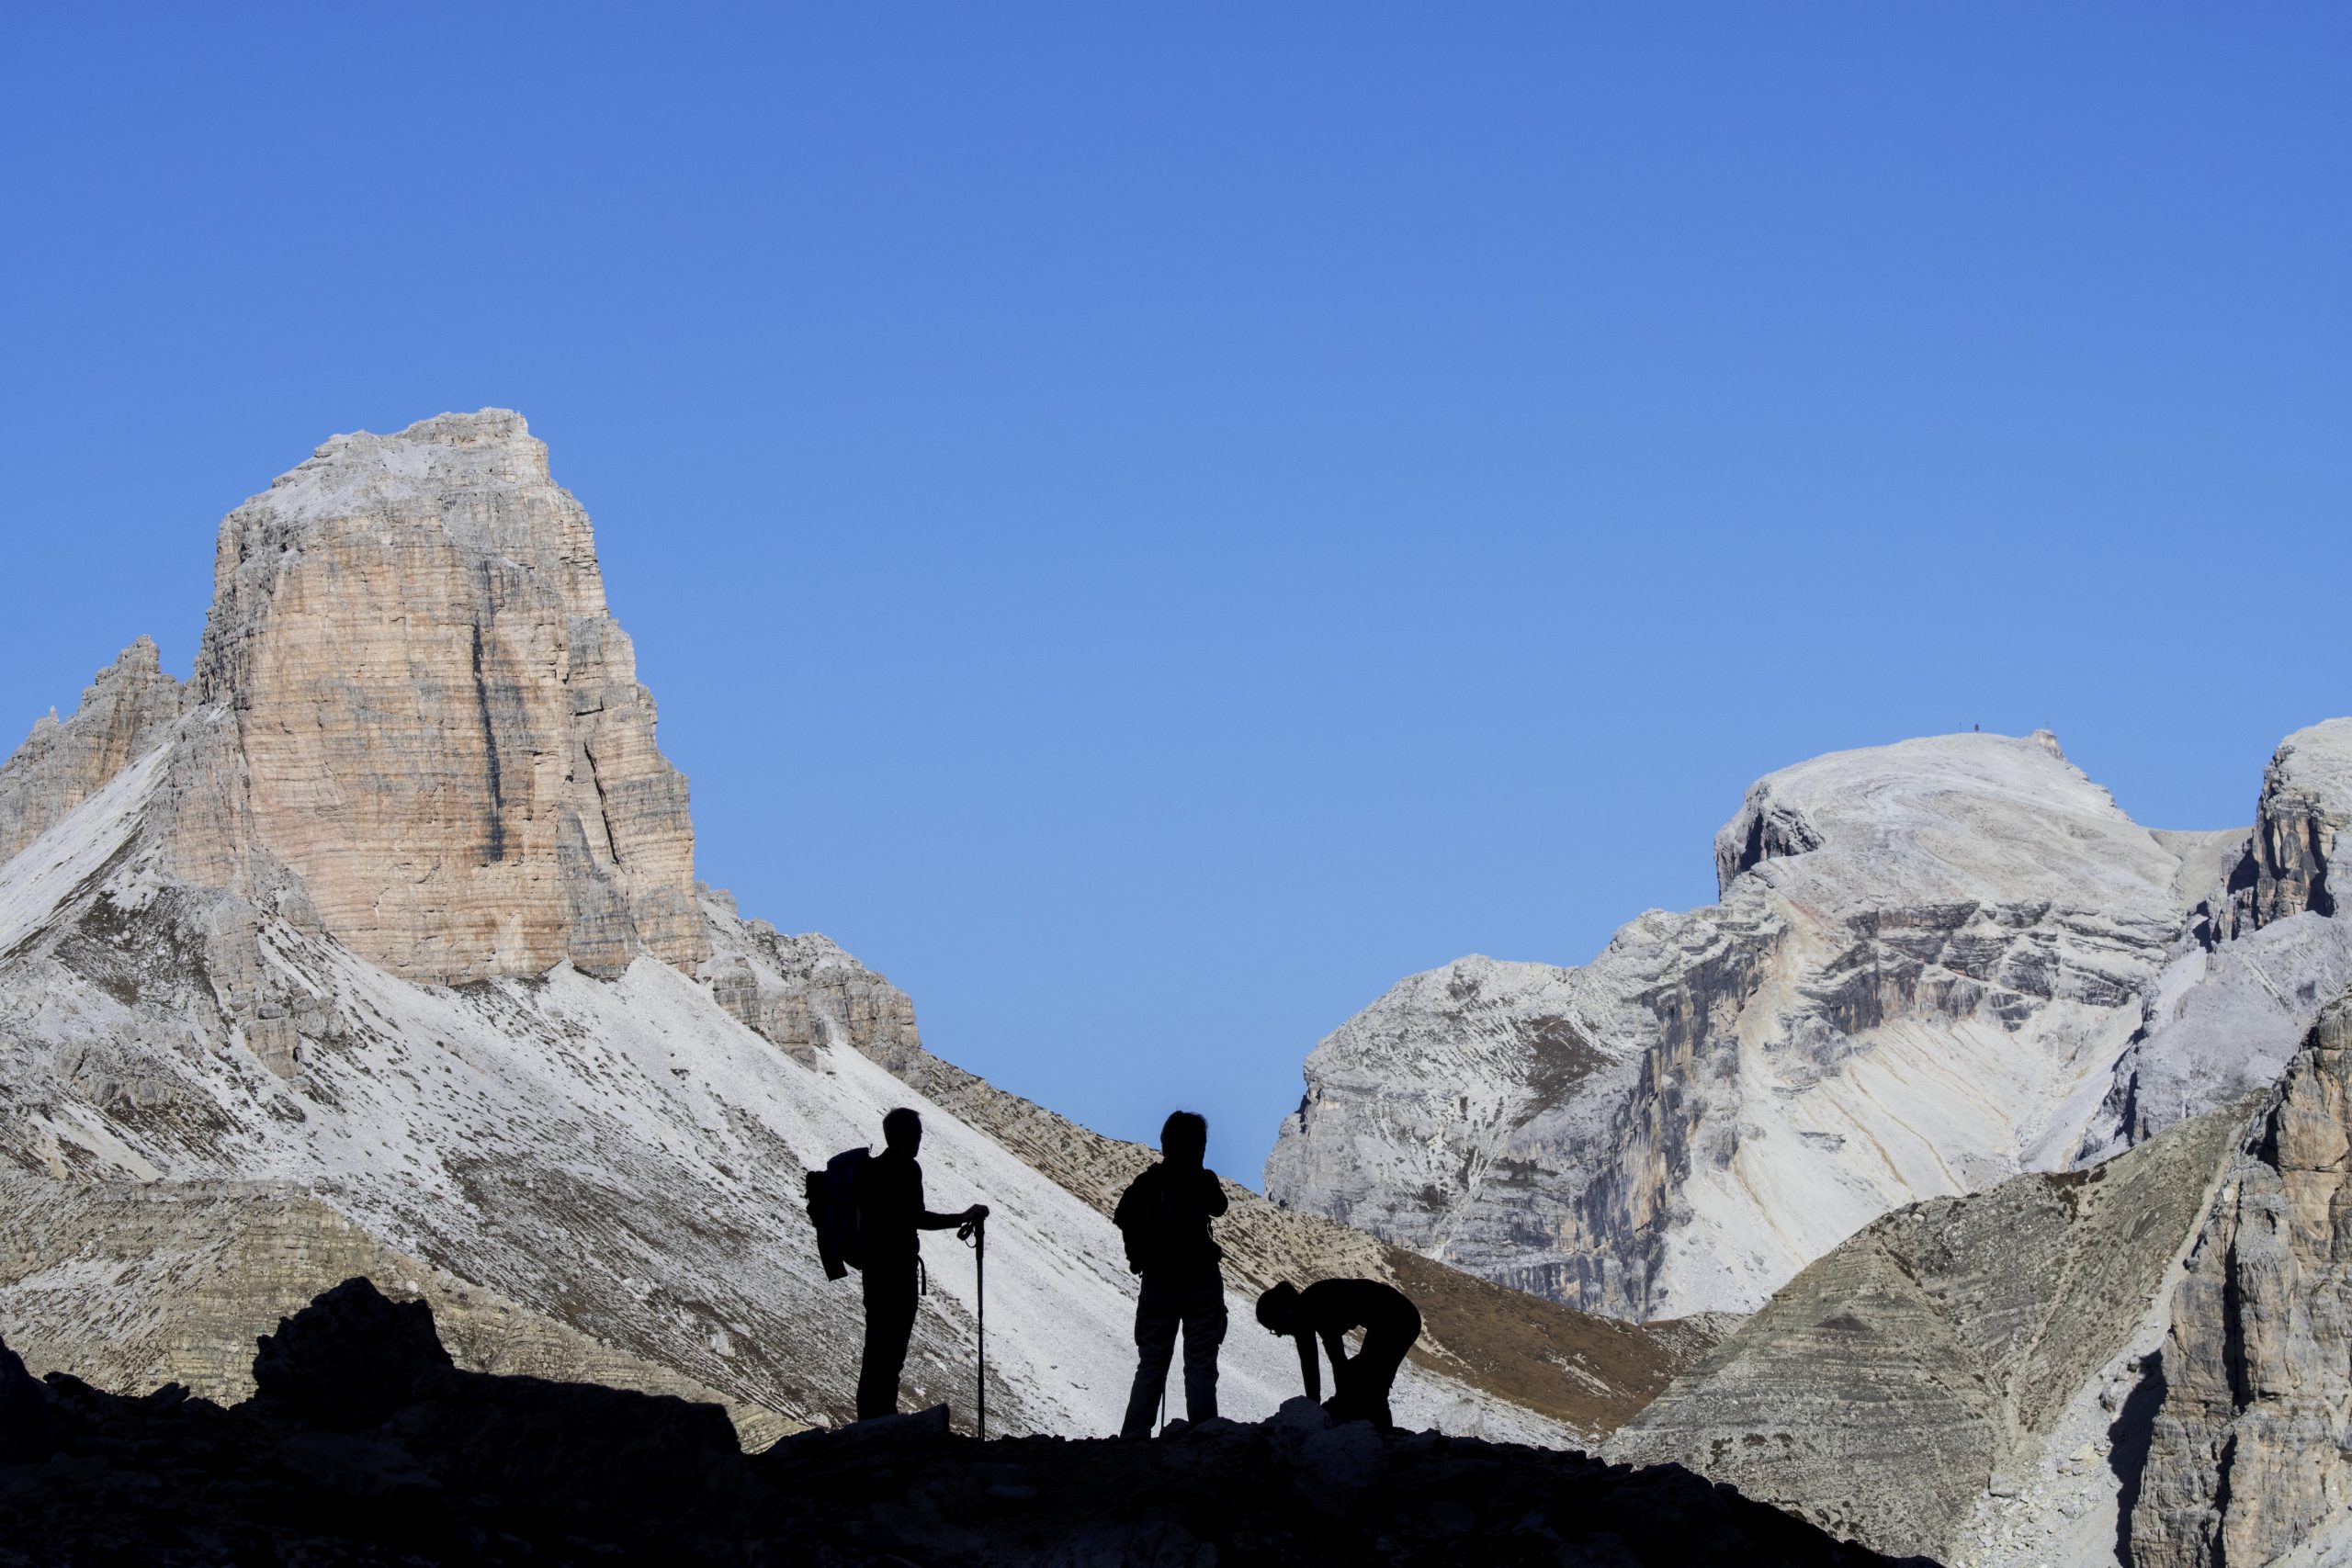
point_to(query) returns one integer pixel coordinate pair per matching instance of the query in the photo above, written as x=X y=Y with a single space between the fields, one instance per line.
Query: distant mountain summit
x=1933 y=965
x=377 y=948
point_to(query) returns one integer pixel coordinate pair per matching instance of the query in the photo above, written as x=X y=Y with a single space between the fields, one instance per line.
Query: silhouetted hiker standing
x=1164 y=1214
x=1327 y=1309
x=889 y=1200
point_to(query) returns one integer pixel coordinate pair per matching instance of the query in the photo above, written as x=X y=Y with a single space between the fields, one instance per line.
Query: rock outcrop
x=1966 y=1329
x=1933 y=965
x=2144 y=1363
x=2306 y=805
x=804 y=994
x=26 y=1436
x=2261 y=954
x=124 y=711
x=2249 y=1404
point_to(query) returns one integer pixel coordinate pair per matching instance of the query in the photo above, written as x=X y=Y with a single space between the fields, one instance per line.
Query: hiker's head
x=1184 y=1137
x=1278 y=1308
x=902 y=1131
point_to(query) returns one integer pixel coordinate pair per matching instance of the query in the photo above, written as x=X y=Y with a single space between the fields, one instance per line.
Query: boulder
x=352 y=1358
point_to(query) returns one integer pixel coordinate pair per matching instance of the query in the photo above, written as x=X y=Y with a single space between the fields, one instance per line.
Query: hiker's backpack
x=834 y=1210
x=1142 y=1219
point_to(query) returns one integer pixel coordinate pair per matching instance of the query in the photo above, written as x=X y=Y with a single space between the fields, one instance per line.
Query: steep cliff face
x=438 y=723
x=1926 y=962
x=2251 y=1397
x=2306 y=803
x=124 y=710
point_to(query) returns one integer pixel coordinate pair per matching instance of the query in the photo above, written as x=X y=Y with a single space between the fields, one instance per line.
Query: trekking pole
x=976 y=1232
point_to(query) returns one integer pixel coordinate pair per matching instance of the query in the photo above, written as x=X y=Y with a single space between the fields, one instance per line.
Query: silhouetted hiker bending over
x=890 y=1200
x=1327 y=1309
x=1164 y=1214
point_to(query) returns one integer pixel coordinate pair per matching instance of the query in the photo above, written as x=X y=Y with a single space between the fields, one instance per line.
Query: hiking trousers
x=890 y=1324
x=1197 y=1305
x=1365 y=1380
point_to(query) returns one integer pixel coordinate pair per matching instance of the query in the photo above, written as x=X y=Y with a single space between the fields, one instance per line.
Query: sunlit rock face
x=437 y=725
x=1933 y=965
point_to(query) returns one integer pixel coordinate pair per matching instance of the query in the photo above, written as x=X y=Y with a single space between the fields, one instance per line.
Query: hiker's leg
x=1382 y=1357
x=1345 y=1402
x=1156 y=1320
x=1378 y=1365
x=1205 y=1323
x=890 y=1324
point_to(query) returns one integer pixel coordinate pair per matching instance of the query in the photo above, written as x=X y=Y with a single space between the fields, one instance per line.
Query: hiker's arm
x=1308 y=1368
x=1334 y=1344
x=1211 y=1195
x=927 y=1221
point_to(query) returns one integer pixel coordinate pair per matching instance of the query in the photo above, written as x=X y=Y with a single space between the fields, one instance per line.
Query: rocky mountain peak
x=438 y=722
x=1960 y=817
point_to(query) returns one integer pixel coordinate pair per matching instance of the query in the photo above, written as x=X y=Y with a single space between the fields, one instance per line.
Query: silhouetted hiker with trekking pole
x=1164 y=1217
x=1327 y=1310
x=867 y=1210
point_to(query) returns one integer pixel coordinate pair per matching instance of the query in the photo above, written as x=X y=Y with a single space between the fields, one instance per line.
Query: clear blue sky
x=1149 y=523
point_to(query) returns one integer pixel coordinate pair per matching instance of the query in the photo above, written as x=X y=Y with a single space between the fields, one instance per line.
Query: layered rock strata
x=437 y=722
x=1961 y=1328
x=2143 y=1364
x=195 y=1272
x=1933 y=965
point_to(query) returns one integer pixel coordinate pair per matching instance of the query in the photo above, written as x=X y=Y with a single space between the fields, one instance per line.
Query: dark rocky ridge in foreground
x=365 y=1445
